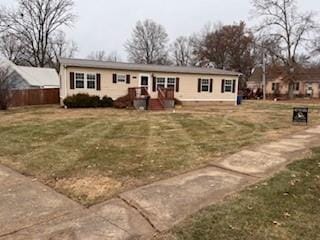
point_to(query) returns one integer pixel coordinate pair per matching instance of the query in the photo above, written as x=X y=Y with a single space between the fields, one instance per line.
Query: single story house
x=31 y=77
x=255 y=81
x=159 y=83
x=306 y=82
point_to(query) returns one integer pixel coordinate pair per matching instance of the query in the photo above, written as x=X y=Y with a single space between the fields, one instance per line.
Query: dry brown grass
x=115 y=150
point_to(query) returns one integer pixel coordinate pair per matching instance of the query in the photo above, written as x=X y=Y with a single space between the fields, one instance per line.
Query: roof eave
x=177 y=72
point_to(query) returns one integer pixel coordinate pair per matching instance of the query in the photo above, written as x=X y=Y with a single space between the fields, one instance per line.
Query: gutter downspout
x=65 y=83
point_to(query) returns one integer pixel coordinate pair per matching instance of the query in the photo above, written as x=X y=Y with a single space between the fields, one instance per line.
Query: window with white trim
x=171 y=83
x=204 y=85
x=91 y=81
x=228 y=86
x=161 y=82
x=121 y=78
x=79 y=80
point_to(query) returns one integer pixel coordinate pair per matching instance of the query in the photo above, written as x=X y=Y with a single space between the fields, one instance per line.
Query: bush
x=123 y=102
x=106 y=102
x=82 y=101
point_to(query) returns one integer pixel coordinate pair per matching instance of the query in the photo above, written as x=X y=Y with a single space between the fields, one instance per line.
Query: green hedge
x=106 y=102
x=87 y=101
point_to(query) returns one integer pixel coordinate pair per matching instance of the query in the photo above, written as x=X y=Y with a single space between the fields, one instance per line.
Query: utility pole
x=264 y=76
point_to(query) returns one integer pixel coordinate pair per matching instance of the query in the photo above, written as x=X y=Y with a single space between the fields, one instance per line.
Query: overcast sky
x=107 y=24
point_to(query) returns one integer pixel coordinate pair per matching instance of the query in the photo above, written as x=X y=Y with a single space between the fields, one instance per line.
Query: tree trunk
x=291 y=90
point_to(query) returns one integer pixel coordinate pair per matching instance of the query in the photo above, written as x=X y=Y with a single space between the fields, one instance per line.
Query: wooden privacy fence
x=34 y=97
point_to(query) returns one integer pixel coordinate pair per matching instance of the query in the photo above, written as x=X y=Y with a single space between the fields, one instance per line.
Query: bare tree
x=11 y=48
x=114 y=57
x=182 y=51
x=35 y=23
x=316 y=46
x=288 y=28
x=2 y=19
x=100 y=55
x=5 y=87
x=261 y=49
x=61 y=47
x=148 y=43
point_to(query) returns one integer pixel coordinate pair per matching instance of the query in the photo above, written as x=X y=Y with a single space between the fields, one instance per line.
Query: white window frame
x=166 y=81
x=205 y=84
x=174 y=84
x=76 y=80
x=91 y=80
x=227 y=84
x=158 y=83
x=85 y=81
x=123 y=78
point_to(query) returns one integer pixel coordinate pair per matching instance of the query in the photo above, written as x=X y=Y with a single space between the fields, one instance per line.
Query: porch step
x=155 y=105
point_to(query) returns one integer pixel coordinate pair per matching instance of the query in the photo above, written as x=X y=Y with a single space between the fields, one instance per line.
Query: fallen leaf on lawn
x=276 y=223
x=231 y=227
x=286 y=214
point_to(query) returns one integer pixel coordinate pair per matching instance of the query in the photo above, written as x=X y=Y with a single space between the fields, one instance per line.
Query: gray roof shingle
x=69 y=62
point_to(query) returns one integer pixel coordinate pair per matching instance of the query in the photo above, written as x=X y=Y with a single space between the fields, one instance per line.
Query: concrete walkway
x=30 y=210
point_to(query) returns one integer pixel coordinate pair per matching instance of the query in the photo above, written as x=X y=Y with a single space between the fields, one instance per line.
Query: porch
x=141 y=98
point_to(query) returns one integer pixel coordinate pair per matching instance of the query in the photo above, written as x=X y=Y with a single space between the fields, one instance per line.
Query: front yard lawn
x=92 y=154
x=284 y=207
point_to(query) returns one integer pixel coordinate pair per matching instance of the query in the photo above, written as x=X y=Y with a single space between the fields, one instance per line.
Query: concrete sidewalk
x=30 y=210
x=24 y=203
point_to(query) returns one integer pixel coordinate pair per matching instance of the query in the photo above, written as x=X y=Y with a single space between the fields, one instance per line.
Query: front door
x=144 y=81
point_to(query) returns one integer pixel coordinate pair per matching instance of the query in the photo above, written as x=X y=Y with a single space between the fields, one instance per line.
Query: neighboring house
x=31 y=77
x=255 y=81
x=187 y=84
x=306 y=82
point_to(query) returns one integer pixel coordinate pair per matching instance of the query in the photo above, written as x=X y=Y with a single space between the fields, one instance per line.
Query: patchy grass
x=284 y=207
x=116 y=150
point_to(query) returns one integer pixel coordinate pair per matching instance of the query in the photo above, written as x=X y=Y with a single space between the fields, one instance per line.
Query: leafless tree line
x=102 y=55
x=226 y=47
x=33 y=35
x=286 y=36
